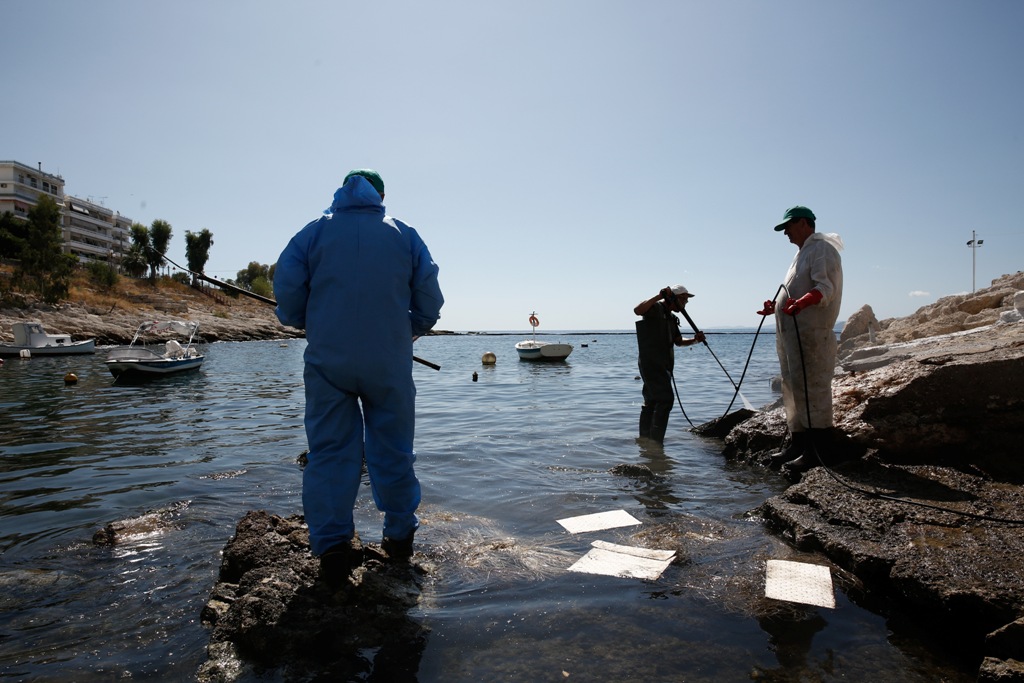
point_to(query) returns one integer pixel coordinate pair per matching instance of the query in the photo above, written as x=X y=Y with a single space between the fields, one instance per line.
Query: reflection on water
x=501 y=459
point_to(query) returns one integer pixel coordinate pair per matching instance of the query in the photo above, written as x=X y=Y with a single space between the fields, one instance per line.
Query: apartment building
x=21 y=185
x=90 y=230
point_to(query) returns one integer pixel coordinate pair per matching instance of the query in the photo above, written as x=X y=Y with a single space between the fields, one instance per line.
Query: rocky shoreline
x=112 y=319
x=921 y=495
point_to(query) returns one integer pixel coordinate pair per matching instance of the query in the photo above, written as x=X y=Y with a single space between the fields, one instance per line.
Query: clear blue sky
x=568 y=157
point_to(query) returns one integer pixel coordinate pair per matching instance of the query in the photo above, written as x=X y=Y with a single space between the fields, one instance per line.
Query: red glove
x=769 y=308
x=794 y=306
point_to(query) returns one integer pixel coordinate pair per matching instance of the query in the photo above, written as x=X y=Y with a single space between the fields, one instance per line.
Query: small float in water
x=531 y=349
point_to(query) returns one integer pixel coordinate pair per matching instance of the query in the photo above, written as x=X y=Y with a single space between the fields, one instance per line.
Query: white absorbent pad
x=598 y=521
x=609 y=559
x=810 y=584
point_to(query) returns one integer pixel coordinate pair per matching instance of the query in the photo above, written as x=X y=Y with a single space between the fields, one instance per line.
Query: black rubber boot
x=659 y=422
x=337 y=563
x=801 y=464
x=646 y=415
x=397 y=549
x=797 y=446
x=819 y=446
x=816 y=452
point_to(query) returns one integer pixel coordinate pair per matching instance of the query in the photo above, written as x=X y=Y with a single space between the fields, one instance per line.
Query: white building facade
x=90 y=230
x=21 y=185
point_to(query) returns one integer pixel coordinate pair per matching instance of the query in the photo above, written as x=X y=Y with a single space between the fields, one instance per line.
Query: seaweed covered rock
x=270 y=612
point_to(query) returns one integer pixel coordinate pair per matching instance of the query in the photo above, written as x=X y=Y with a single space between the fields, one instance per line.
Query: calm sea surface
x=501 y=459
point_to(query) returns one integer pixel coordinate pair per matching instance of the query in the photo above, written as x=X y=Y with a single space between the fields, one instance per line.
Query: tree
x=42 y=266
x=159 y=238
x=135 y=261
x=197 y=249
x=262 y=286
x=253 y=272
x=102 y=274
x=12 y=235
x=140 y=235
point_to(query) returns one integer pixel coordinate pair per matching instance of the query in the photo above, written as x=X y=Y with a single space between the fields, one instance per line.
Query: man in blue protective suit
x=363 y=286
x=806 y=311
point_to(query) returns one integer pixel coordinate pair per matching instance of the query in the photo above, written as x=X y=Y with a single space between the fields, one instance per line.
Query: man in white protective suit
x=806 y=309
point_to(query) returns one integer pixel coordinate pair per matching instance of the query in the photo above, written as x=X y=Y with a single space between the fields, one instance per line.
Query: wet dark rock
x=919 y=490
x=721 y=426
x=632 y=470
x=995 y=670
x=1007 y=642
x=148 y=524
x=953 y=400
x=270 y=611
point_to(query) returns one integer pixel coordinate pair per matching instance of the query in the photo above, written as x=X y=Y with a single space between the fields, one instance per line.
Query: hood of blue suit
x=357 y=192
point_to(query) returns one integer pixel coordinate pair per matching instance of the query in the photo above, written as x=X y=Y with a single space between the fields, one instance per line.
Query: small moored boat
x=32 y=337
x=138 y=360
x=531 y=349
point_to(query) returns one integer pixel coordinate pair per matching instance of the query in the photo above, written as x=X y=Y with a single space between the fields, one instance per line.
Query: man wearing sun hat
x=656 y=334
x=363 y=285
x=806 y=309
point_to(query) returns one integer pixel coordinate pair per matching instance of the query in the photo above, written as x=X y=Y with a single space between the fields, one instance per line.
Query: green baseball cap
x=794 y=212
x=369 y=174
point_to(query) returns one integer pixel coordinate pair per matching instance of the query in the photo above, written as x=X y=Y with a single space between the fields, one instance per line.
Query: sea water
x=504 y=451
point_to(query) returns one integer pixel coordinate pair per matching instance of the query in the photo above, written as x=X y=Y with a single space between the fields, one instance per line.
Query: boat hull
x=153 y=368
x=80 y=347
x=142 y=362
x=543 y=351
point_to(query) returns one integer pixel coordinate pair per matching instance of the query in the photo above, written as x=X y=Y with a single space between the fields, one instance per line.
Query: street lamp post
x=973 y=244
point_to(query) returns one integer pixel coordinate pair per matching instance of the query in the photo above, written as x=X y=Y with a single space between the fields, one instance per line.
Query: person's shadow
x=790 y=633
x=327 y=633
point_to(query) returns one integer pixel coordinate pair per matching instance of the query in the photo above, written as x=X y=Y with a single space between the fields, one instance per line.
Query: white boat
x=531 y=349
x=33 y=338
x=140 y=361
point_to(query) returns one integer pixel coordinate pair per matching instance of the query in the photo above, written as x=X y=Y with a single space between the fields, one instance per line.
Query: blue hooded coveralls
x=362 y=285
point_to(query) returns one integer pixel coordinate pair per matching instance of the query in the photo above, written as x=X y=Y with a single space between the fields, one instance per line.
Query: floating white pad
x=609 y=559
x=598 y=521
x=810 y=584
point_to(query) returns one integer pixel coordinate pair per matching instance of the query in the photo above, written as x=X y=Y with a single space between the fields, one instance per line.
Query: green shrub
x=103 y=275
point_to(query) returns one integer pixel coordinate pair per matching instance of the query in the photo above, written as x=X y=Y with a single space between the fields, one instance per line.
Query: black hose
x=679 y=400
x=258 y=297
x=705 y=342
x=750 y=355
x=731 y=381
x=672 y=374
x=803 y=372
